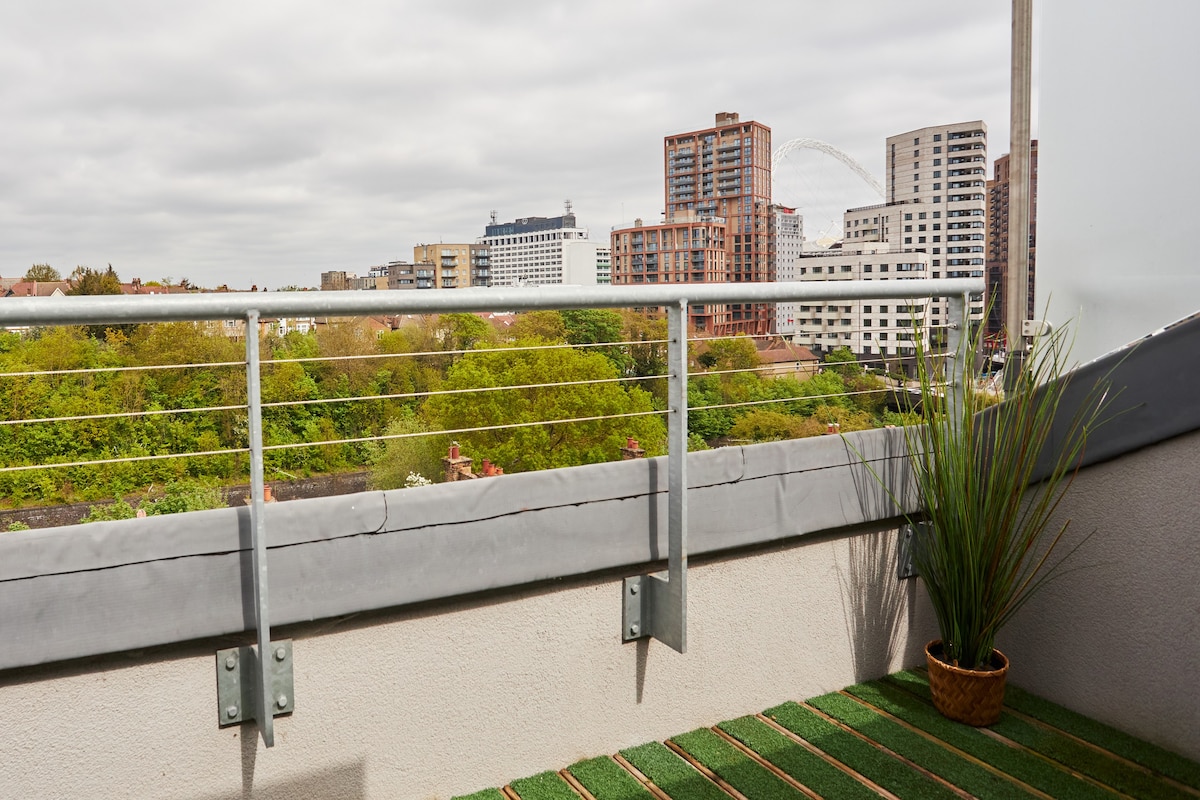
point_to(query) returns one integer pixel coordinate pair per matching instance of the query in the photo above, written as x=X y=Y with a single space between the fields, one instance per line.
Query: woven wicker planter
x=970 y=696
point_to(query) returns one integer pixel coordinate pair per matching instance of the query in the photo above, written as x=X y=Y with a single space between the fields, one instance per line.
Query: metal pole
x=960 y=366
x=677 y=449
x=1017 y=283
x=656 y=605
x=263 y=699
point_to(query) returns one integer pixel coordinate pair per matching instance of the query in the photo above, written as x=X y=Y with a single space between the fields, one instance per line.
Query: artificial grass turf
x=1148 y=755
x=544 y=786
x=1080 y=758
x=892 y=774
x=605 y=779
x=671 y=773
x=486 y=794
x=1023 y=766
x=802 y=764
x=966 y=775
x=735 y=767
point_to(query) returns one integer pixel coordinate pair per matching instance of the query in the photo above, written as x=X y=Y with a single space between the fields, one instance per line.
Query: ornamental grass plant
x=989 y=477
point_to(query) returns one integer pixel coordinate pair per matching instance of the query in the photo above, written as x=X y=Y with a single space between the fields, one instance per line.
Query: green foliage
x=184 y=495
x=546 y=325
x=552 y=443
x=17 y=526
x=119 y=509
x=843 y=362
x=736 y=353
x=763 y=425
x=86 y=280
x=42 y=272
x=408 y=453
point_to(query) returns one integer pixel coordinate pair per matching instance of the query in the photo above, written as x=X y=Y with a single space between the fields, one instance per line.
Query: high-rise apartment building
x=997 y=243
x=717 y=180
x=535 y=250
x=932 y=226
x=456 y=265
x=691 y=248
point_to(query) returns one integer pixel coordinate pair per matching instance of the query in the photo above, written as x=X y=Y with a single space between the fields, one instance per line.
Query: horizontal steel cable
x=124 y=459
x=371 y=356
x=122 y=414
x=433 y=392
x=147 y=367
x=505 y=426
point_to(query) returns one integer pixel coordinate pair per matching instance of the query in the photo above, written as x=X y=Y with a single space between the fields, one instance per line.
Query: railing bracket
x=237 y=682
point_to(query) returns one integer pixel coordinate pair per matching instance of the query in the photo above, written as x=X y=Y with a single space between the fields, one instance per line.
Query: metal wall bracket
x=654 y=609
x=656 y=605
x=237 y=682
x=905 y=568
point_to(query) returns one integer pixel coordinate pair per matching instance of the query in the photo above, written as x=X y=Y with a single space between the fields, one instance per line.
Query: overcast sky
x=266 y=142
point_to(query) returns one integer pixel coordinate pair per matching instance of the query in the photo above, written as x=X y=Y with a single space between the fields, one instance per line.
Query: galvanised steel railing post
x=960 y=361
x=264 y=701
x=656 y=606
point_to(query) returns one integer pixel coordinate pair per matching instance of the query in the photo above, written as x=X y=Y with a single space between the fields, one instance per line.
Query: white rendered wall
x=450 y=699
x=1119 y=170
x=1118 y=638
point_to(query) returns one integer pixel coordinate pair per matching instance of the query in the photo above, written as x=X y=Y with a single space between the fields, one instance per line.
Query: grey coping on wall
x=112 y=586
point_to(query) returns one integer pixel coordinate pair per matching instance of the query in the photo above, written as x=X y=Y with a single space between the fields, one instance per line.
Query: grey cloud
x=264 y=143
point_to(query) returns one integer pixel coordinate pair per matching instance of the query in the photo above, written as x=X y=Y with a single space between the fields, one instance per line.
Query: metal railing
x=655 y=605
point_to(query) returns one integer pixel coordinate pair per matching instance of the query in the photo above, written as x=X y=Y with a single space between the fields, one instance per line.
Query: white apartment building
x=932 y=226
x=787 y=239
x=534 y=251
x=874 y=330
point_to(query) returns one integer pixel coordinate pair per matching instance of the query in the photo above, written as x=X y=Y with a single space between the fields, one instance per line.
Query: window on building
x=937 y=162
x=907 y=217
x=916 y=140
x=937 y=137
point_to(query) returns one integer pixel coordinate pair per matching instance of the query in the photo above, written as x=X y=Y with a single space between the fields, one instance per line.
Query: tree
x=86 y=280
x=544 y=443
x=546 y=325
x=736 y=353
x=395 y=459
x=594 y=326
x=846 y=363
x=42 y=272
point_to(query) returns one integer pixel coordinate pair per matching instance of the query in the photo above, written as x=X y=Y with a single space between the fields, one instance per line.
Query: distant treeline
x=407 y=396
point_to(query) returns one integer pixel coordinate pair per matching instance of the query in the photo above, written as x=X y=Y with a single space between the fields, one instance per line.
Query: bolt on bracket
x=237 y=682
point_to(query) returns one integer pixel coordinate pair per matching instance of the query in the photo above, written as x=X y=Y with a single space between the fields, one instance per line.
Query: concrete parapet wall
x=453 y=697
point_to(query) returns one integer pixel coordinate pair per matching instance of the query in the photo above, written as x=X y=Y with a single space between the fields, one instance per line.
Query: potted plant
x=989 y=477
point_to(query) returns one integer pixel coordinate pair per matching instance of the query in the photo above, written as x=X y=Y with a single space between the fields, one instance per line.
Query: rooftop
x=882 y=738
x=428 y=642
